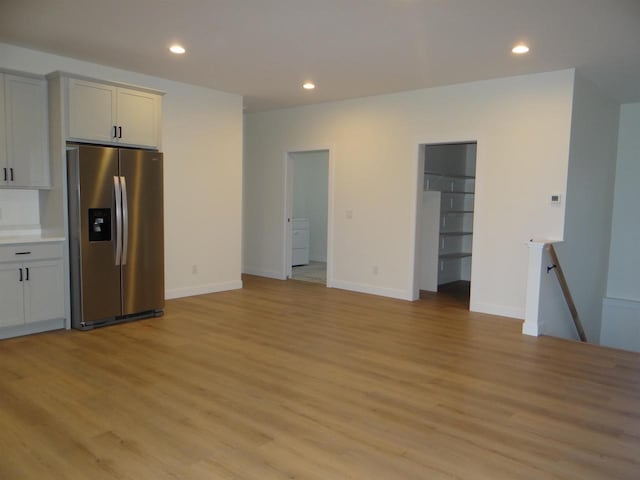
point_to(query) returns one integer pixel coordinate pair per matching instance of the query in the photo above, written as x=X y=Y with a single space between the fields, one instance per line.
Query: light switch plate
x=556 y=199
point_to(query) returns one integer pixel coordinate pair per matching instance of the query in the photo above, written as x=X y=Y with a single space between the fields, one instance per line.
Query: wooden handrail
x=565 y=291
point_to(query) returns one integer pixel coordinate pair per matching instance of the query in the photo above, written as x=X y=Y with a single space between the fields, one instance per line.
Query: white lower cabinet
x=32 y=289
x=43 y=292
x=300 y=242
x=11 y=295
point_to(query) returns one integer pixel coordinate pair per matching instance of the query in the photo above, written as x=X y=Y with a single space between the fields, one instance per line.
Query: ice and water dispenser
x=99 y=224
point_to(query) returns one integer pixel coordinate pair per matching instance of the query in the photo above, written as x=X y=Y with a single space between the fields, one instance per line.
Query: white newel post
x=532 y=324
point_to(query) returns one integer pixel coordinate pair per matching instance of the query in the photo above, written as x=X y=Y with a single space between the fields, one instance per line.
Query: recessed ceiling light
x=309 y=86
x=178 y=49
x=520 y=49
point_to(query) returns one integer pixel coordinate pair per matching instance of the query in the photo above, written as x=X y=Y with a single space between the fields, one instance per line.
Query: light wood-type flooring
x=291 y=380
x=313 y=272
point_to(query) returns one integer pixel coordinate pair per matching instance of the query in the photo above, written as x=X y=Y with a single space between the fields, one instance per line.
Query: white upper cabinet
x=138 y=117
x=110 y=114
x=92 y=111
x=24 y=135
x=3 y=137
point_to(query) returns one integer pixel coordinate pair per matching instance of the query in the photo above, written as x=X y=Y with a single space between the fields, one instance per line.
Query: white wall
x=429 y=241
x=310 y=197
x=547 y=312
x=522 y=125
x=202 y=144
x=621 y=308
x=624 y=262
x=584 y=254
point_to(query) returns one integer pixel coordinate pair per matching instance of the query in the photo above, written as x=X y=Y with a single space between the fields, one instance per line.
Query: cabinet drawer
x=300 y=224
x=30 y=251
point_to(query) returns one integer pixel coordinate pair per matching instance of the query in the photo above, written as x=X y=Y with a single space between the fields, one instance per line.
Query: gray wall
x=621 y=308
x=589 y=201
x=624 y=263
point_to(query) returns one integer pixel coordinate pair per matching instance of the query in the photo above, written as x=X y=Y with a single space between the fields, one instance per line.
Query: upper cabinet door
x=108 y=114
x=138 y=114
x=27 y=135
x=92 y=111
x=4 y=172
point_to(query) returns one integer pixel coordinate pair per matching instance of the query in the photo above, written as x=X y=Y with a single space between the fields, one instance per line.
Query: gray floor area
x=314 y=272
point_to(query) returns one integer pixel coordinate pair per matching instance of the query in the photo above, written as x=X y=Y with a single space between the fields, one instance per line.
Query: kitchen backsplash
x=19 y=211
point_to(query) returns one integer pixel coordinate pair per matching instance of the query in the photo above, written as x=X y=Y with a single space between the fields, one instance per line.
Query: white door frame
x=288 y=210
x=473 y=138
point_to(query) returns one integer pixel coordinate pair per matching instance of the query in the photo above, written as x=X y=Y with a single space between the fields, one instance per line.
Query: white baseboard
x=500 y=310
x=264 y=273
x=370 y=289
x=31 y=328
x=202 y=289
x=530 y=328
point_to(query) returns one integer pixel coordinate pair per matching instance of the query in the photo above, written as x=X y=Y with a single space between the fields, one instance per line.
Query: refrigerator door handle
x=117 y=191
x=125 y=221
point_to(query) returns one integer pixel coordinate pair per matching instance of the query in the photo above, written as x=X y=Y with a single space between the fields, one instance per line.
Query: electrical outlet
x=194 y=269
x=375 y=269
x=349 y=214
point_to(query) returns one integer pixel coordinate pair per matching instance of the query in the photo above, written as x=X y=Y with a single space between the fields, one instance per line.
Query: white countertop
x=14 y=240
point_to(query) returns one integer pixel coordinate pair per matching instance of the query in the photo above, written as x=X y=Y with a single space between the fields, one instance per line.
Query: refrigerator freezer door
x=143 y=248
x=97 y=275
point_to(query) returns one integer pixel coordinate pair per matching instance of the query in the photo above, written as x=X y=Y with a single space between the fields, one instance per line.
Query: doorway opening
x=307 y=218
x=444 y=249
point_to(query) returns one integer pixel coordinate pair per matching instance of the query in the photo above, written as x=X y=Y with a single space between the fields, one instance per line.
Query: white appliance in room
x=300 y=242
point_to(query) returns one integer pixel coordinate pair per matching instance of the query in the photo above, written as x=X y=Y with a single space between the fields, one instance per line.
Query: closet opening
x=445 y=239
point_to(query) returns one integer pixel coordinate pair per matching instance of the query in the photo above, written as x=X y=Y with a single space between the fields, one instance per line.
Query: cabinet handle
x=20 y=274
x=11 y=170
x=27 y=269
x=119 y=132
x=5 y=174
x=115 y=131
x=23 y=253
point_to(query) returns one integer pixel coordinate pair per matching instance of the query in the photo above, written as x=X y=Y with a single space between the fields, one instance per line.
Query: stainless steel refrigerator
x=116 y=234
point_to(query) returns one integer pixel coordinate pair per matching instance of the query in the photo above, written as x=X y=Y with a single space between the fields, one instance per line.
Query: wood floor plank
x=285 y=380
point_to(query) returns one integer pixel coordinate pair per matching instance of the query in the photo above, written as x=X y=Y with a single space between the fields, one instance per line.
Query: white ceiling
x=265 y=49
